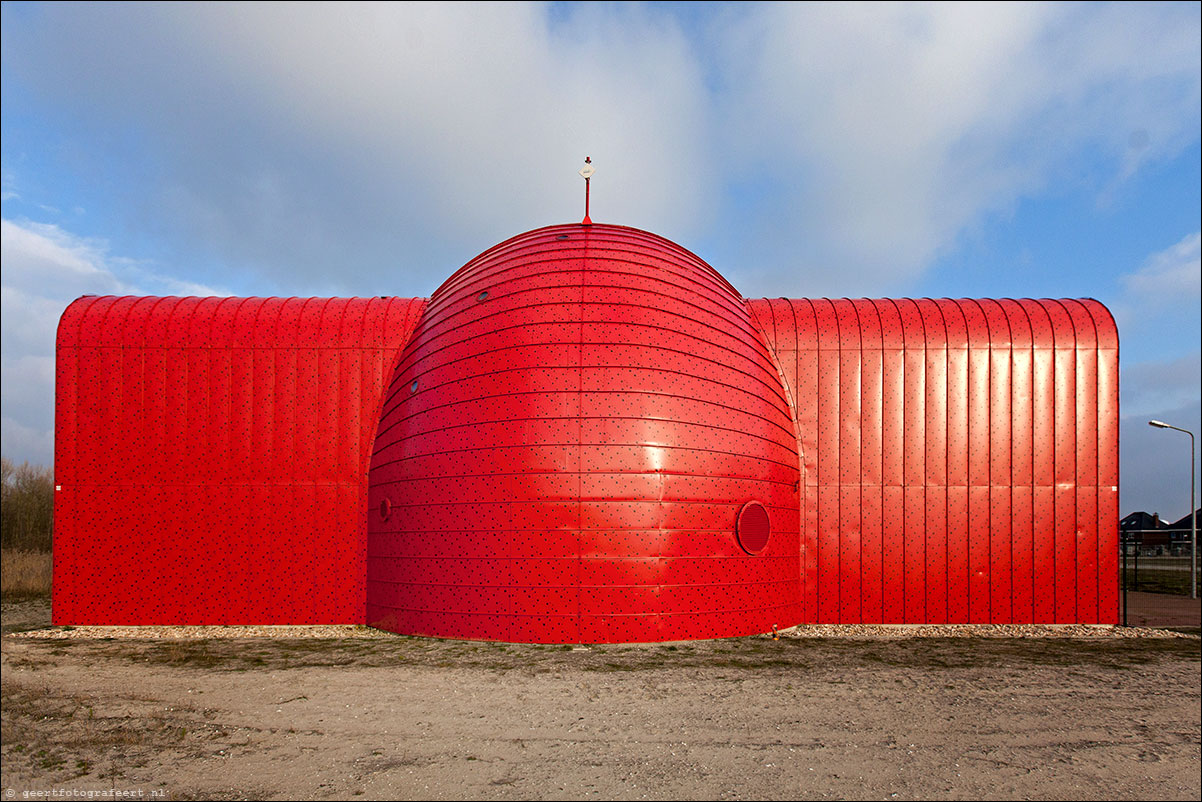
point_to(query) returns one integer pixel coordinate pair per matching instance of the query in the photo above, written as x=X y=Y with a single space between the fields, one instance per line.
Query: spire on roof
x=586 y=172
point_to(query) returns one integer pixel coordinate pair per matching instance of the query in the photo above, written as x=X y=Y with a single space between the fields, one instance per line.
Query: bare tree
x=27 y=507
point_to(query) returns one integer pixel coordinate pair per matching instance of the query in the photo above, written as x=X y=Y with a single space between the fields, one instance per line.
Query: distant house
x=1145 y=531
x=1153 y=536
x=1179 y=531
x=1141 y=522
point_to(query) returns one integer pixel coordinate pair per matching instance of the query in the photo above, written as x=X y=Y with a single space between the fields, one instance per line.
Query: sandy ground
x=798 y=718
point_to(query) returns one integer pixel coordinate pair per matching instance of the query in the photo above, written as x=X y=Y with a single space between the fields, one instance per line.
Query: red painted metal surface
x=959 y=458
x=211 y=457
x=754 y=527
x=567 y=456
x=585 y=435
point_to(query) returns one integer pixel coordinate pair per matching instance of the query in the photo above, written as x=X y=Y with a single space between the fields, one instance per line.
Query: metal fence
x=1155 y=580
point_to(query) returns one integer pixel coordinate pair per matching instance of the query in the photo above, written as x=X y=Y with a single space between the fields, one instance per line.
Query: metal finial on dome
x=586 y=172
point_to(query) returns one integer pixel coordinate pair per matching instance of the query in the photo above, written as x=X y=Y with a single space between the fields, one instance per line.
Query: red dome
x=566 y=445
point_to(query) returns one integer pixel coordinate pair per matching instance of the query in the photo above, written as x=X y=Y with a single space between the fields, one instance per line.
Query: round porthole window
x=413 y=387
x=752 y=528
x=385 y=509
x=483 y=296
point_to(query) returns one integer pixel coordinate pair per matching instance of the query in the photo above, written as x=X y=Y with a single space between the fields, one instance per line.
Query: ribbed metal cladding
x=566 y=444
x=212 y=454
x=960 y=458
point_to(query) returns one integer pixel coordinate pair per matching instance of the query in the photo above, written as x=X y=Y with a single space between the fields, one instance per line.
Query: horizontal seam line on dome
x=660 y=272
x=600 y=233
x=394 y=409
x=446 y=308
x=442 y=310
x=788 y=447
x=427 y=505
x=576 y=444
x=439 y=330
x=396 y=387
x=600 y=345
x=724 y=530
x=746 y=351
x=503 y=262
x=490 y=474
x=589 y=558
x=707 y=379
x=592 y=585
x=597 y=417
x=699 y=275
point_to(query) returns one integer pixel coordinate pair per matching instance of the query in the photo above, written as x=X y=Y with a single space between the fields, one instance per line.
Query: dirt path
x=749 y=718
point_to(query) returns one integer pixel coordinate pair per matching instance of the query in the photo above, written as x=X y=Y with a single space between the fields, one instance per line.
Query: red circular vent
x=753 y=528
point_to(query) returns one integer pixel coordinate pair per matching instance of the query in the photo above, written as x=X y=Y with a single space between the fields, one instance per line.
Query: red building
x=585 y=435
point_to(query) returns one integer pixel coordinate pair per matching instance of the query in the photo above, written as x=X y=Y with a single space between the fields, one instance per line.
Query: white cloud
x=340 y=146
x=28 y=402
x=44 y=256
x=45 y=268
x=1160 y=322
x=901 y=127
x=805 y=148
x=1169 y=277
x=27 y=443
x=1159 y=308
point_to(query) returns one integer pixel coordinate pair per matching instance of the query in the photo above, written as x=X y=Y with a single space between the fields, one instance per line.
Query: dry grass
x=61 y=737
x=24 y=573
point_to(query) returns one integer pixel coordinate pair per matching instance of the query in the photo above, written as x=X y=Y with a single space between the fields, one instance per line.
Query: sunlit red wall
x=560 y=445
x=211 y=456
x=566 y=447
x=960 y=457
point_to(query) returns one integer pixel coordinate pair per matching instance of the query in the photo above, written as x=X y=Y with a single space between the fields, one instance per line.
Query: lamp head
x=1159 y=424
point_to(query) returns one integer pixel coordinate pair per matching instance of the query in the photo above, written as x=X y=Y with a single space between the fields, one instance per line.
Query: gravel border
x=847 y=631
x=886 y=631
x=351 y=631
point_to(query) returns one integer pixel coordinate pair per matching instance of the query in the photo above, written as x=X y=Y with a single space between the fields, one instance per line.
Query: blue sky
x=803 y=150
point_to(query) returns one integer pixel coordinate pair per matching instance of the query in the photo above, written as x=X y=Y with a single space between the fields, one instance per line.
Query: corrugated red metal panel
x=1064 y=416
x=1021 y=449
x=978 y=424
x=1043 y=456
x=827 y=462
x=914 y=461
x=935 y=458
x=893 y=451
x=1108 y=460
x=1000 y=485
x=871 y=515
x=957 y=536
x=1086 y=479
x=807 y=437
x=976 y=401
x=205 y=473
x=850 y=535
x=565 y=446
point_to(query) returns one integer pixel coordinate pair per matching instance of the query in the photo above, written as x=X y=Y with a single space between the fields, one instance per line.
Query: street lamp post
x=1193 y=517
